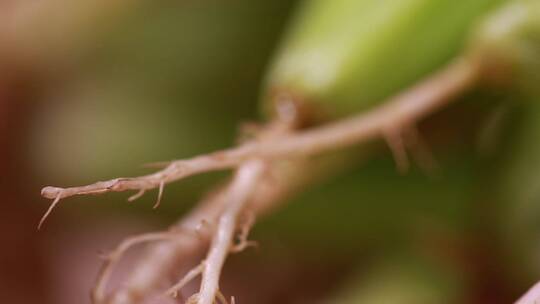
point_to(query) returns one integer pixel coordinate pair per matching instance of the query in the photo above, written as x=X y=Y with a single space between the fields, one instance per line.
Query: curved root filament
x=252 y=159
x=192 y=274
x=111 y=259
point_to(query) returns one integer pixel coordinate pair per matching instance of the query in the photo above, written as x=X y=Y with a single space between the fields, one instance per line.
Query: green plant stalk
x=347 y=55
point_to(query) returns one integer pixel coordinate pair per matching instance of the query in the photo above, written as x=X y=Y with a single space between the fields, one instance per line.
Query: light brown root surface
x=253 y=186
x=240 y=190
x=192 y=274
x=156 y=264
x=111 y=259
x=404 y=109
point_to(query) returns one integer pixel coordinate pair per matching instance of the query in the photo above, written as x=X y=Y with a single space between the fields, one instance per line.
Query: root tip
x=160 y=195
x=48 y=212
x=50 y=192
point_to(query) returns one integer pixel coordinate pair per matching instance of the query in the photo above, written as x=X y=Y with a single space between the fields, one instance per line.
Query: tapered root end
x=50 y=192
x=48 y=212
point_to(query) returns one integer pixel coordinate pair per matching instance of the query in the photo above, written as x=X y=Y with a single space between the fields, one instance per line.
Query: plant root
x=238 y=195
x=49 y=210
x=111 y=259
x=192 y=274
x=251 y=186
x=156 y=264
x=160 y=195
x=404 y=109
x=136 y=196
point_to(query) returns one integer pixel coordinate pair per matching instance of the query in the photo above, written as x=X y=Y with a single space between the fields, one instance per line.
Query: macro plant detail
x=324 y=93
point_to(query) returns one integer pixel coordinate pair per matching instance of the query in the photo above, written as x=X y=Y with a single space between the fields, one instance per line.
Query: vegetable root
x=238 y=195
x=253 y=189
x=192 y=274
x=98 y=294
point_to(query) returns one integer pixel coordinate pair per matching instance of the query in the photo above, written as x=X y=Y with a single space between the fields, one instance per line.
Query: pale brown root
x=238 y=195
x=174 y=171
x=243 y=245
x=157 y=263
x=99 y=291
x=49 y=210
x=160 y=194
x=404 y=109
x=136 y=196
x=192 y=274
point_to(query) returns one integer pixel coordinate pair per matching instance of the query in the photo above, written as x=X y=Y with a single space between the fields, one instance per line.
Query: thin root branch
x=174 y=171
x=136 y=196
x=49 y=210
x=237 y=196
x=251 y=157
x=243 y=245
x=160 y=194
x=192 y=274
x=156 y=263
x=410 y=106
x=111 y=259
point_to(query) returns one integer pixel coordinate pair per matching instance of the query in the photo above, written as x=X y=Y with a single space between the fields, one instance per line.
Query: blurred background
x=90 y=90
